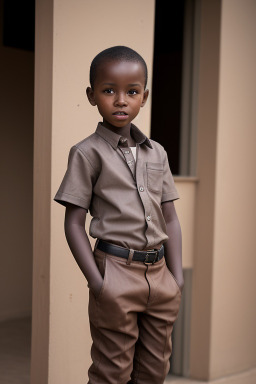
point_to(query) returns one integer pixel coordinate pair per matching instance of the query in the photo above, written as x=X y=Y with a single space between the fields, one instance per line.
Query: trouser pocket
x=173 y=278
x=101 y=262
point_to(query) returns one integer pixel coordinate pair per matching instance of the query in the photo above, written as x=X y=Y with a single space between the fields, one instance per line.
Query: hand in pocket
x=96 y=286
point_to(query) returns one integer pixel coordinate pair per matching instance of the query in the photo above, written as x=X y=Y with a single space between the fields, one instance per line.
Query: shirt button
x=141 y=189
x=126 y=151
x=122 y=140
x=148 y=218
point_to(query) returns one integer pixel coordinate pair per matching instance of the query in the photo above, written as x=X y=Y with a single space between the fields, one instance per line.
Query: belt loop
x=129 y=260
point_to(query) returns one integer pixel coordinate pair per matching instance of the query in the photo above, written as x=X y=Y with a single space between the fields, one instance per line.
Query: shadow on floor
x=15 y=346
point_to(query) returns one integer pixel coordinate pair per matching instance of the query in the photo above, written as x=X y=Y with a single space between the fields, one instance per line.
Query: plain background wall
x=42 y=191
x=204 y=204
x=16 y=193
x=223 y=334
x=233 y=336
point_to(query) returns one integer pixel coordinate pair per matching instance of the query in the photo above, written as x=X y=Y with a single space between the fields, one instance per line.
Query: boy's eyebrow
x=134 y=85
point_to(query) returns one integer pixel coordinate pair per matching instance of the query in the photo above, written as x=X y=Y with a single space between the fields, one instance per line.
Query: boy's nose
x=120 y=100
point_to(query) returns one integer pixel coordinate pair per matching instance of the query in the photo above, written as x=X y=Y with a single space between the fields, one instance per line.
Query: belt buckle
x=146 y=262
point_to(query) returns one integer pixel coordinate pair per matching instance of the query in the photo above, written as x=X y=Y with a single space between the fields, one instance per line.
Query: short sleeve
x=77 y=184
x=169 y=191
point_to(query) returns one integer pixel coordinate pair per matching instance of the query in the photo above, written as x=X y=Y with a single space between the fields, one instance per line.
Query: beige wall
x=223 y=306
x=16 y=162
x=206 y=164
x=63 y=116
x=186 y=211
x=42 y=192
x=233 y=336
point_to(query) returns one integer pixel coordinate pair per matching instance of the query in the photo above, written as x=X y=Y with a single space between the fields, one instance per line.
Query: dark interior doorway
x=17 y=20
x=167 y=78
x=19 y=24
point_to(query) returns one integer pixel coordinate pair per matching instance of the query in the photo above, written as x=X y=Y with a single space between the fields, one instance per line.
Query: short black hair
x=117 y=53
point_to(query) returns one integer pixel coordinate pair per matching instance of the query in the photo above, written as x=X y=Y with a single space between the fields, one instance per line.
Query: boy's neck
x=122 y=131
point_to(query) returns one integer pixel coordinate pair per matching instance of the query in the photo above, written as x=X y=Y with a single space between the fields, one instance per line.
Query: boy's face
x=118 y=92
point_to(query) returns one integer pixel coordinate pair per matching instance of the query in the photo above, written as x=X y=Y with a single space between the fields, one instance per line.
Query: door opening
x=16 y=160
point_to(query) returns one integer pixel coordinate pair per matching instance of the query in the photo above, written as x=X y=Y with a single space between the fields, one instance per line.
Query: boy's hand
x=180 y=283
x=96 y=286
x=179 y=280
x=172 y=247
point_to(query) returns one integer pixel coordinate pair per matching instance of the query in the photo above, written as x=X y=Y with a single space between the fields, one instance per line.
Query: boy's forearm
x=173 y=251
x=173 y=246
x=80 y=246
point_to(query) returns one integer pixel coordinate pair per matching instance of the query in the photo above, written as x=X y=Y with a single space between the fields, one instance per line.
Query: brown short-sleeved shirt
x=123 y=196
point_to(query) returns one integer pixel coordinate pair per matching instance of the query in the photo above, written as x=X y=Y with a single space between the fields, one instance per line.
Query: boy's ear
x=90 y=95
x=145 y=97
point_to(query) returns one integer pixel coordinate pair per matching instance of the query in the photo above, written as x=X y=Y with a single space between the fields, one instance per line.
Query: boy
x=124 y=179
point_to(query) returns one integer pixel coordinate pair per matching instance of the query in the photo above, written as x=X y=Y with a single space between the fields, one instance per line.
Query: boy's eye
x=132 y=92
x=109 y=91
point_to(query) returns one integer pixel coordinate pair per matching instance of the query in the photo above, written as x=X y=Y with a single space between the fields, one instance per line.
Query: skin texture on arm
x=80 y=246
x=173 y=246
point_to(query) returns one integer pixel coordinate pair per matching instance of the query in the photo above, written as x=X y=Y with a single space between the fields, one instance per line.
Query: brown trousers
x=131 y=321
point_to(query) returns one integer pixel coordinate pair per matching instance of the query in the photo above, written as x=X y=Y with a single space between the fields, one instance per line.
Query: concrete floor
x=246 y=377
x=15 y=341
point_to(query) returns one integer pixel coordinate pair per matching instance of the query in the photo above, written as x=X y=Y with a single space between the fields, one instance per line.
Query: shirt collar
x=113 y=138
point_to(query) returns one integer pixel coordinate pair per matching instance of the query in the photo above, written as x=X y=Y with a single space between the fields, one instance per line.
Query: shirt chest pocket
x=155 y=174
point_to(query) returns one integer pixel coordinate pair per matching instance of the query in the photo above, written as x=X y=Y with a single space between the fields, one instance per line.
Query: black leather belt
x=146 y=257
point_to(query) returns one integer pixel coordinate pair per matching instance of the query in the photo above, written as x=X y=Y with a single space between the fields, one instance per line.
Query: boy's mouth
x=120 y=113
